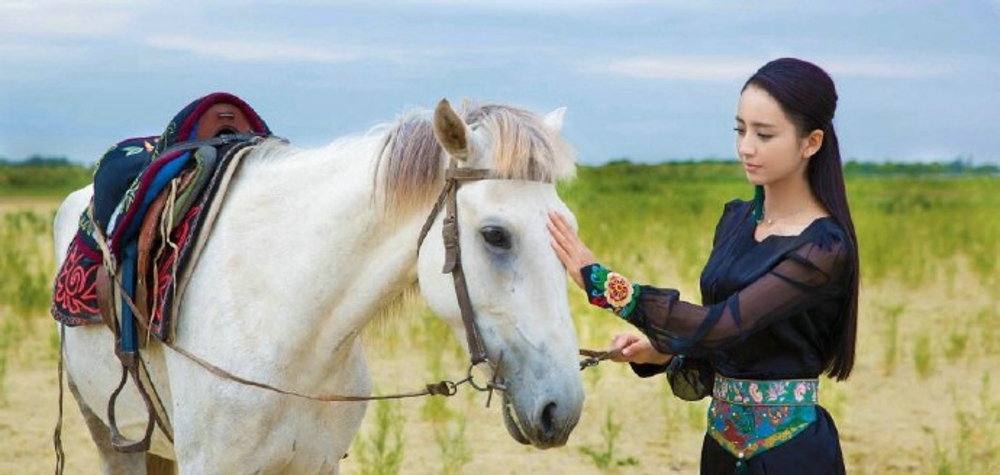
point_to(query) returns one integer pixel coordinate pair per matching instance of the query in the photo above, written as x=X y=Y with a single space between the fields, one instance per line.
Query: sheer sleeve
x=804 y=276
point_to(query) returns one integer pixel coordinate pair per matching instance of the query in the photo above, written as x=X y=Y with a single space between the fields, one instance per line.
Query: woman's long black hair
x=809 y=99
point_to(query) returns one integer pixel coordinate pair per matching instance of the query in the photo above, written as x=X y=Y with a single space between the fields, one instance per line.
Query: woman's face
x=767 y=142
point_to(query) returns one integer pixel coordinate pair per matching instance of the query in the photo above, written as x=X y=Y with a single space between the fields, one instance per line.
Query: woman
x=779 y=291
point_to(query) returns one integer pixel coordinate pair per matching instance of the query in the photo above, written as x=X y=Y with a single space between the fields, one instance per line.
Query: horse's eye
x=496 y=236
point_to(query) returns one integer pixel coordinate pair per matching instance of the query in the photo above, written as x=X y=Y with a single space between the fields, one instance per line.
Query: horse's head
x=516 y=284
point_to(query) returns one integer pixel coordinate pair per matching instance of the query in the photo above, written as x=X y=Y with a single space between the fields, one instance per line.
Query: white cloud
x=528 y=4
x=729 y=69
x=574 y=5
x=465 y=5
x=64 y=17
x=250 y=51
x=21 y=53
x=680 y=68
x=888 y=69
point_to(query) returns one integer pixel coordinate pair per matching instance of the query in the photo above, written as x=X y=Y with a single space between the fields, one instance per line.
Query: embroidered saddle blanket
x=154 y=200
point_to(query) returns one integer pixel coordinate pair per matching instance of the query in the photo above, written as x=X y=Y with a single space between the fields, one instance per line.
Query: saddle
x=211 y=116
x=150 y=200
x=154 y=202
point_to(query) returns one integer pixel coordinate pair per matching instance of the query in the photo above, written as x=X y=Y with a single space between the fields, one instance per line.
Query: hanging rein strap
x=443 y=388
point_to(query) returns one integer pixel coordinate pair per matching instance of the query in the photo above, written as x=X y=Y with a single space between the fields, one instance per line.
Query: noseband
x=454 y=176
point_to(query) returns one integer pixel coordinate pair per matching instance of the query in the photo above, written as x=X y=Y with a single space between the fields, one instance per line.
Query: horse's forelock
x=524 y=148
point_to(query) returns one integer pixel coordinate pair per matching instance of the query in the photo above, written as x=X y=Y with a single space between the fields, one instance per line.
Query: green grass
x=381 y=450
x=8 y=336
x=923 y=233
x=605 y=456
x=833 y=397
x=923 y=355
x=890 y=337
x=976 y=447
x=26 y=270
x=958 y=341
x=453 y=445
x=26 y=261
x=909 y=227
x=987 y=329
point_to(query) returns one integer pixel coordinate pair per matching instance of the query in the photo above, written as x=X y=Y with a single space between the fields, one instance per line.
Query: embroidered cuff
x=610 y=290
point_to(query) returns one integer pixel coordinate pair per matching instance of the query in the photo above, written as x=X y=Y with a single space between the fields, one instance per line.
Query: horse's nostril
x=548 y=421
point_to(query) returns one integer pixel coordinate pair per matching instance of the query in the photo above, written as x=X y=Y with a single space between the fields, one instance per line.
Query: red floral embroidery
x=618 y=290
x=166 y=278
x=76 y=284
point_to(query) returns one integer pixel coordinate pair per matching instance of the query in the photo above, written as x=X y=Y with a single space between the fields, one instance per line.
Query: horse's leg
x=114 y=462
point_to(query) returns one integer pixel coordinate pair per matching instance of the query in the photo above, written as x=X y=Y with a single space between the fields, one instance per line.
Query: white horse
x=309 y=248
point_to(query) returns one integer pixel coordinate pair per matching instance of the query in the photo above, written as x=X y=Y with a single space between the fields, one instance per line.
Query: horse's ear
x=451 y=131
x=554 y=119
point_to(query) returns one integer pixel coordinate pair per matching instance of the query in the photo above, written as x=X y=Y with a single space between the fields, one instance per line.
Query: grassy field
x=923 y=398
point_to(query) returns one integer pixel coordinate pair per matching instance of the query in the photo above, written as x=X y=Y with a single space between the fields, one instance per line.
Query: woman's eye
x=496 y=236
x=739 y=131
x=764 y=136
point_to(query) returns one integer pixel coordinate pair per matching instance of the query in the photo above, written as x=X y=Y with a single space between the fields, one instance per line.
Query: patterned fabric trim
x=748 y=417
x=610 y=290
x=74 y=295
x=779 y=392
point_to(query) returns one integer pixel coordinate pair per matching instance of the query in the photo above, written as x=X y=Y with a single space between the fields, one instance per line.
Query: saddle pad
x=116 y=170
x=74 y=297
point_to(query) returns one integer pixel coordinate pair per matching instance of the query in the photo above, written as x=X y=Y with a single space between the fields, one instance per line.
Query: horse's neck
x=325 y=255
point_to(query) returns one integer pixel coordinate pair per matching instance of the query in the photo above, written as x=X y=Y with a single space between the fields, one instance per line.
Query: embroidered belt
x=748 y=417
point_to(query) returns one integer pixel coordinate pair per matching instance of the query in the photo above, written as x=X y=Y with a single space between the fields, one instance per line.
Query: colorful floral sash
x=747 y=417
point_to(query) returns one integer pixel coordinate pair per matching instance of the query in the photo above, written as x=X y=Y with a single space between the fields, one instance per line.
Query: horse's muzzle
x=548 y=425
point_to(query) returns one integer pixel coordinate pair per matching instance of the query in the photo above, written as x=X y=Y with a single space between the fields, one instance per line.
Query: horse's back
x=67 y=219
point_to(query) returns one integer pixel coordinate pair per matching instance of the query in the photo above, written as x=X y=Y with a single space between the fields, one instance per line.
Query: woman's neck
x=791 y=200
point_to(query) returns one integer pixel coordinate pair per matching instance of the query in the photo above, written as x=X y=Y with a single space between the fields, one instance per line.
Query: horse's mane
x=524 y=148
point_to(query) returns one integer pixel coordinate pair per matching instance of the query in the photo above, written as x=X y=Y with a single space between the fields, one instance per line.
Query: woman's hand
x=637 y=349
x=573 y=253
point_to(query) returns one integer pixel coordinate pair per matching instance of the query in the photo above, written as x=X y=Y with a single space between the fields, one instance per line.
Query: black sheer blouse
x=771 y=309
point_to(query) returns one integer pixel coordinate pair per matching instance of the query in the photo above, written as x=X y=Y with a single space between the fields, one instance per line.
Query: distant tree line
x=41 y=175
x=38 y=175
x=958 y=166
x=38 y=161
x=954 y=167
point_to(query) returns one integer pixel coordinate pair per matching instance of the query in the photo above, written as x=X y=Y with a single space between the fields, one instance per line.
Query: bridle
x=454 y=177
x=448 y=198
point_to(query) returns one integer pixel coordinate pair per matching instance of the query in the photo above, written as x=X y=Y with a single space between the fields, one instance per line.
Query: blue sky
x=648 y=80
